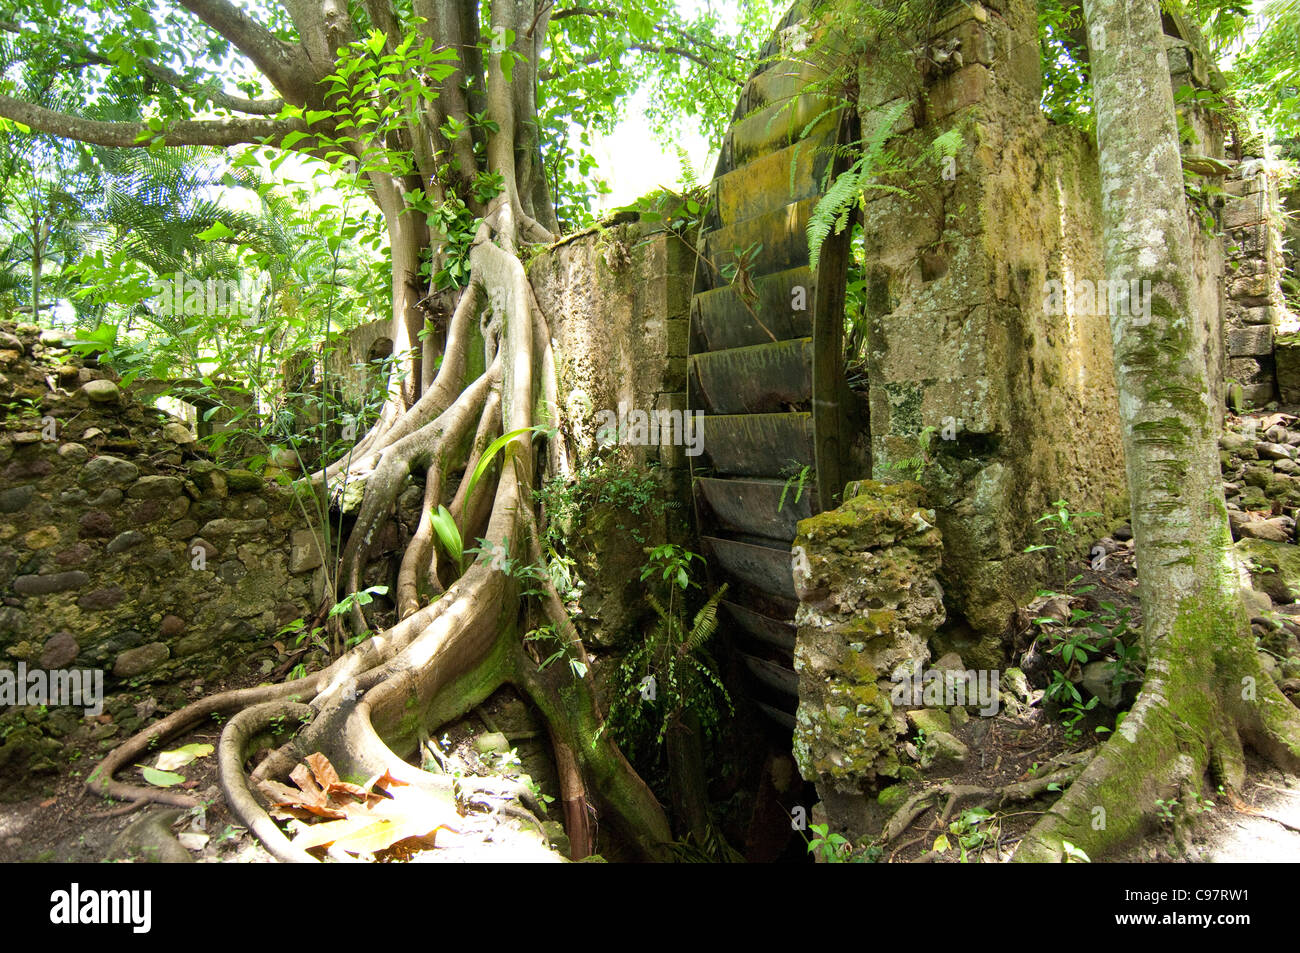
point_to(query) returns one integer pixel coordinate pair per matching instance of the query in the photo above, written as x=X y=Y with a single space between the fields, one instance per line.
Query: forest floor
x=67 y=824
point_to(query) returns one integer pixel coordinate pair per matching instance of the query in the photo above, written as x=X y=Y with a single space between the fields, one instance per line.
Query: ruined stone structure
x=125 y=550
x=988 y=370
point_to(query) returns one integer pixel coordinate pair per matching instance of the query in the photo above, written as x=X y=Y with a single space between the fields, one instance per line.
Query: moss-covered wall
x=964 y=336
x=124 y=549
x=617 y=300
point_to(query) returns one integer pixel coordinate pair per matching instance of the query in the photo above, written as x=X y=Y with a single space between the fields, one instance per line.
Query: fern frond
x=706 y=621
x=835 y=204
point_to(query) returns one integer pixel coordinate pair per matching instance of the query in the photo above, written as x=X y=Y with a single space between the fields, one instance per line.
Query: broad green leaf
x=169 y=760
x=161 y=779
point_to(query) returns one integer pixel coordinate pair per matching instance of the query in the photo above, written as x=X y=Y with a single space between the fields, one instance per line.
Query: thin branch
x=678 y=32
x=213 y=93
x=593 y=58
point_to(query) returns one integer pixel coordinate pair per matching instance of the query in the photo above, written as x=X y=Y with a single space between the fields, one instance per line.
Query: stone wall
x=124 y=549
x=1255 y=306
x=617 y=300
x=869 y=604
x=961 y=339
x=1005 y=390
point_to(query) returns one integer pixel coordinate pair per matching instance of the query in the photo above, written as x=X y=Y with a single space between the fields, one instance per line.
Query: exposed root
x=231 y=752
x=974 y=796
x=372 y=707
x=427 y=445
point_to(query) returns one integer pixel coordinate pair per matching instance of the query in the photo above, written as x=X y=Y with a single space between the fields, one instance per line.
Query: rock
x=944 y=750
x=54 y=582
x=228 y=527
x=950 y=662
x=1257 y=603
x=243 y=481
x=1268 y=664
x=210 y=480
x=1271 y=529
x=305 y=551
x=929 y=720
x=76 y=555
x=95 y=523
x=74 y=453
x=101 y=599
x=178 y=433
x=172 y=625
x=16 y=498
x=200 y=547
x=149 y=839
x=60 y=651
x=124 y=541
x=284 y=459
x=1016 y=683
x=1099 y=680
x=108 y=497
x=102 y=392
x=492 y=741
x=42 y=537
x=155 y=488
x=1274 y=451
x=30 y=469
x=891 y=798
x=137 y=661
x=1233 y=443
x=192 y=644
x=110 y=470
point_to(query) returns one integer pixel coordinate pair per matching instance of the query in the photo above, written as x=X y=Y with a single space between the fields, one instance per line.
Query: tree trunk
x=1204 y=692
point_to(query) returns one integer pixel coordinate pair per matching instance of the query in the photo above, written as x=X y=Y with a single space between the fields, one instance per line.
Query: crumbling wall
x=1017 y=394
x=617 y=300
x=125 y=551
x=989 y=352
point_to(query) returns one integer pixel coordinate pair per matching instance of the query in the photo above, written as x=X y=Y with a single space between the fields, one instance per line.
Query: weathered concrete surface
x=617 y=300
x=963 y=336
x=869 y=601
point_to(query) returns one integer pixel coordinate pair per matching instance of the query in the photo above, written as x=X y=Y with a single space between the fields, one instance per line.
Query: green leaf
x=444 y=524
x=216 y=232
x=493 y=449
x=167 y=760
x=161 y=779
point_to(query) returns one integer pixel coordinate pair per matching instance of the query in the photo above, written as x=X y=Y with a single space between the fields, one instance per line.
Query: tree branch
x=684 y=35
x=592 y=58
x=213 y=132
x=213 y=93
x=283 y=64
